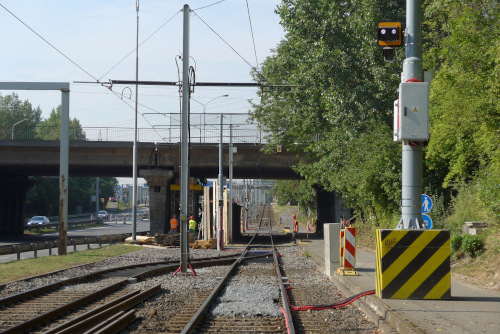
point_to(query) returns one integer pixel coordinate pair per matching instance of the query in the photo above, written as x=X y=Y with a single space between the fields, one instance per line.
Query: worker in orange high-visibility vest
x=174 y=225
x=295 y=227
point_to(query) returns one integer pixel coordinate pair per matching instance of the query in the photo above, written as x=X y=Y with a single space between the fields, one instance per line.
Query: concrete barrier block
x=332 y=248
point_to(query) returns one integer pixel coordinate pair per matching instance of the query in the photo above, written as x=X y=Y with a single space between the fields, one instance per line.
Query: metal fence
x=35 y=247
x=204 y=128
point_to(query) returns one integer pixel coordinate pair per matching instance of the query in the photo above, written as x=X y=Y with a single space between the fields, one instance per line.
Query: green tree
x=107 y=187
x=50 y=128
x=43 y=197
x=336 y=108
x=295 y=192
x=464 y=51
x=13 y=110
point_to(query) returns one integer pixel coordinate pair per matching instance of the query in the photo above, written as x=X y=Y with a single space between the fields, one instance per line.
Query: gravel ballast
x=253 y=292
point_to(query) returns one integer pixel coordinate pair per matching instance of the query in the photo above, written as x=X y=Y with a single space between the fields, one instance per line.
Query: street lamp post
x=205 y=110
x=13 y=126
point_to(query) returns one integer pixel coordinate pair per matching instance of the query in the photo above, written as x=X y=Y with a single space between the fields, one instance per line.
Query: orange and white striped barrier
x=348 y=252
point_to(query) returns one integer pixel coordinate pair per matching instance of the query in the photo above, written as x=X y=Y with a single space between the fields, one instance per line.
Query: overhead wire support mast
x=134 y=153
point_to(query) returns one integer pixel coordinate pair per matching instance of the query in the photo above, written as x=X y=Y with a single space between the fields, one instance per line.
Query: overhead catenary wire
x=97 y=80
x=213 y=4
x=253 y=39
x=51 y=45
x=222 y=39
x=118 y=95
x=144 y=41
x=80 y=67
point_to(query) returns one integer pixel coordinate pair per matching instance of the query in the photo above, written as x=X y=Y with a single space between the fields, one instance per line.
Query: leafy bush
x=472 y=245
x=465 y=207
x=456 y=242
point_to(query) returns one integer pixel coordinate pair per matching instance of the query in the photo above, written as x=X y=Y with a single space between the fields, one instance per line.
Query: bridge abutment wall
x=159 y=181
x=13 y=190
x=330 y=208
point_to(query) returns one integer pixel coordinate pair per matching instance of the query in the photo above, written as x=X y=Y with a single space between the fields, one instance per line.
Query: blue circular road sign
x=426 y=203
x=427 y=221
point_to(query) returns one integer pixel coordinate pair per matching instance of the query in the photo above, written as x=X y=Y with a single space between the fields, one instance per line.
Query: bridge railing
x=241 y=133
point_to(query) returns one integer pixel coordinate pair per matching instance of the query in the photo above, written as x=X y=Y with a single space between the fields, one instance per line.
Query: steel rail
x=116 y=325
x=284 y=298
x=193 y=322
x=103 y=316
x=47 y=288
x=90 y=313
x=26 y=325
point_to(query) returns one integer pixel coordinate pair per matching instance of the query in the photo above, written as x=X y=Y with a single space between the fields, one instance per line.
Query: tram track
x=208 y=319
x=50 y=303
x=207 y=302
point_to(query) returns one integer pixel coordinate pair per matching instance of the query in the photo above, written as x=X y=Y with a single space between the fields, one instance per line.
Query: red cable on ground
x=342 y=303
x=286 y=320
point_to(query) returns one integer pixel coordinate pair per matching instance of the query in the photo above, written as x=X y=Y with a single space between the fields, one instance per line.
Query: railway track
x=87 y=298
x=242 y=292
x=228 y=309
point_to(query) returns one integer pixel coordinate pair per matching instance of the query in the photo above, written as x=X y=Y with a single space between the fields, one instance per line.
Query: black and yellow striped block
x=413 y=264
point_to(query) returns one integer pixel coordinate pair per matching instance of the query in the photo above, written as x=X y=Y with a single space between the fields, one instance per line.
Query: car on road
x=103 y=214
x=38 y=220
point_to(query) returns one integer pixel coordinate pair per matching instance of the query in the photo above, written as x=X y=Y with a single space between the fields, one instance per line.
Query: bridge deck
x=104 y=158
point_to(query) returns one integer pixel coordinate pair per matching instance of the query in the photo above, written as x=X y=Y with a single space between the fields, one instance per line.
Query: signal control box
x=411 y=112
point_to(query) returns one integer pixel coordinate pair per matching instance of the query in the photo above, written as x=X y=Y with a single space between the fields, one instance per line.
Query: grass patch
x=15 y=270
x=485 y=268
x=306 y=254
x=280 y=208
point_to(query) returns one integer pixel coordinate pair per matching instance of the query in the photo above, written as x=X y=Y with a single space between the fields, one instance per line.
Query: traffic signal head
x=389 y=34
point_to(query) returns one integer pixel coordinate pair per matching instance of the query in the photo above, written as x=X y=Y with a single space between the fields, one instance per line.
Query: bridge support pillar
x=13 y=190
x=159 y=181
x=330 y=208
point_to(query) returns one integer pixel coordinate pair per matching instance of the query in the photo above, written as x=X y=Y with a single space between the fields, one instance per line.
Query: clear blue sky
x=97 y=34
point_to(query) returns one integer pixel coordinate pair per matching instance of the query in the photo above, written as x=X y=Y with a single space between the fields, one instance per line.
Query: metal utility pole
x=13 y=126
x=63 y=149
x=134 y=154
x=96 y=196
x=230 y=195
x=221 y=188
x=184 y=144
x=204 y=105
x=64 y=173
x=412 y=152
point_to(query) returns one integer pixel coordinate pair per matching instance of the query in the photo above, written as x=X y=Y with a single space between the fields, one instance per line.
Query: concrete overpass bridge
x=102 y=158
x=158 y=163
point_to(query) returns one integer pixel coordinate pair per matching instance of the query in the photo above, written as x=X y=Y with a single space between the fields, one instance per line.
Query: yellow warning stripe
x=423 y=273
x=392 y=239
x=404 y=259
x=378 y=264
x=440 y=289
